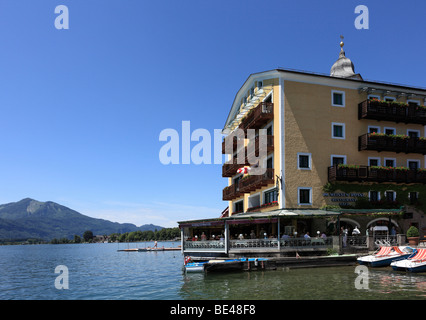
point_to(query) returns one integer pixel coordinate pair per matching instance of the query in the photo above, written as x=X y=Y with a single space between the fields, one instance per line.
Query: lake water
x=100 y=272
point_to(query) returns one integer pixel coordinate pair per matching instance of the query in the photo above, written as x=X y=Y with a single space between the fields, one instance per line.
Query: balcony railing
x=382 y=142
x=392 y=111
x=255 y=149
x=236 y=142
x=375 y=174
x=253 y=182
x=231 y=192
x=230 y=168
x=258 y=116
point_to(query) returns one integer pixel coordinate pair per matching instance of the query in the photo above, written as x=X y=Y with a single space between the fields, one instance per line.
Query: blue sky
x=82 y=109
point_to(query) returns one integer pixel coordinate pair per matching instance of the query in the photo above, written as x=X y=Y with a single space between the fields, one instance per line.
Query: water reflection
x=312 y=284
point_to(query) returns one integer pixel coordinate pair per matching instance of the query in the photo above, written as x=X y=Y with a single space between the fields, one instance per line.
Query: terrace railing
x=392 y=111
x=382 y=142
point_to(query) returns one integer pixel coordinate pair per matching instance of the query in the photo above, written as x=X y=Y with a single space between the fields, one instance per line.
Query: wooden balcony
x=255 y=149
x=253 y=182
x=229 y=169
x=258 y=116
x=231 y=192
x=376 y=174
x=236 y=142
x=382 y=142
x=392 y=111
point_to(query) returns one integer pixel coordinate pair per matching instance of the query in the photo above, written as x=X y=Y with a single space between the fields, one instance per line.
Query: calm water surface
x=98 y=271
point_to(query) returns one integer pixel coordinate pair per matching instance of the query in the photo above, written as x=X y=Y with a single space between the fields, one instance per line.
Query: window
x=413 y=102
x=254 y=201
x=269 y=131
x=413 y=164
x=236 y=182
x=304 y=161
x=337 y=159
x=239 y=206
x=338 y=130
x=337 y=98
x=389 y=99
x=373 y=161
x=260 y=85
x=373 y=97
x=374 y=196
x=372 y=129
x=390 y=196
x=413 y=133
x=270 y=196
x=414 y=196
x=389 y=130
x=304 y=196
x=270 y=163
x=390 y=162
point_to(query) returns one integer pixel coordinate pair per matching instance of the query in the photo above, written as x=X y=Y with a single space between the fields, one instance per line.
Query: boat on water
x=218 y=265
x=414 y=263
x=385 y=256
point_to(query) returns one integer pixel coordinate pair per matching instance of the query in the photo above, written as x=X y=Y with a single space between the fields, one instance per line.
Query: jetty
x=149 y=249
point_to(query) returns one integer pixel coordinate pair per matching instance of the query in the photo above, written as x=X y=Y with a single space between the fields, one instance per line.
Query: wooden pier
x=150 y=249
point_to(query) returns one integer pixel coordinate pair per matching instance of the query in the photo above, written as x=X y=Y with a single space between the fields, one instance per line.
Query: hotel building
x=334 y=142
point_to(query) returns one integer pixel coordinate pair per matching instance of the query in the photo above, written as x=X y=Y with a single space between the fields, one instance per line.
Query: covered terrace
x=276 y=232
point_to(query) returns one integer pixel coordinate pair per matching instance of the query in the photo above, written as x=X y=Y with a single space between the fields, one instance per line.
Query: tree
x=87 y=235
x=77 y=239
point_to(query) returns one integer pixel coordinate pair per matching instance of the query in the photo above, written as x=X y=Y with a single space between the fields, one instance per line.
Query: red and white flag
x=244 y=170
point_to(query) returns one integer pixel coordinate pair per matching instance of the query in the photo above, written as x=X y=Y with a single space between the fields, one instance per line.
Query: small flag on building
x=244 y=170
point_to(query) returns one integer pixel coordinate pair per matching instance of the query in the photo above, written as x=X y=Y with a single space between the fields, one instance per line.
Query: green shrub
x=412 y=232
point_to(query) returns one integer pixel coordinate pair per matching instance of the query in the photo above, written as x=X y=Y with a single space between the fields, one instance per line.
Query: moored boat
x=385 y=256
x=414 y=263
x=218 y=265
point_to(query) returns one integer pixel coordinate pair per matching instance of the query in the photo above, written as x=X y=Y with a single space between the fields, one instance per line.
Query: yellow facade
x=302 y=124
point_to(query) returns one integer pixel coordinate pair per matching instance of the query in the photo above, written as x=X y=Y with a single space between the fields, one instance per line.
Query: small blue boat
x=222 y=265
x=385 y=256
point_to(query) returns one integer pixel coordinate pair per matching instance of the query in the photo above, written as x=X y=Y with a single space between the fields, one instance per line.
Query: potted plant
x=413 y=236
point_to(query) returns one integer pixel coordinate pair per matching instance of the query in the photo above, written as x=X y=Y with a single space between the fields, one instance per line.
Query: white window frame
x=414 y=130
x=389 y=97
x=414 y=101
x=413 y=160
x=343 y=130
x=337 y=156
x=417 y=195
x=394 y=161
x=373 y=127
x=374 y=158
x=235 y=203
x=388 y=128
x=252 y=196
x=264 y=191
x=310 y=196
x=373 y=96
x=378 y=195
x=343 y=98
x=309 y=160
x=386 y=194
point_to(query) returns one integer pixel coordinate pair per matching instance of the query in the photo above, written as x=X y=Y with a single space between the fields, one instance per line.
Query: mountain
x=30 y=218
